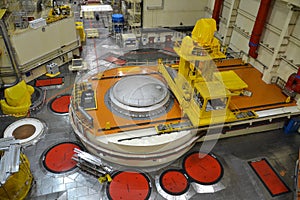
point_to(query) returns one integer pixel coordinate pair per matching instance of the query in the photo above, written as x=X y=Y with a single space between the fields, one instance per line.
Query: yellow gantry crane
x=204 y=93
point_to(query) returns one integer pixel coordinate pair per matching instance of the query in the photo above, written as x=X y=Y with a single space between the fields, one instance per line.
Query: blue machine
x=117 y=23
x=292 y=126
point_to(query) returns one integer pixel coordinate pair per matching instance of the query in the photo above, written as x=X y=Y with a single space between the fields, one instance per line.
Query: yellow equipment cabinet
x=18 y=185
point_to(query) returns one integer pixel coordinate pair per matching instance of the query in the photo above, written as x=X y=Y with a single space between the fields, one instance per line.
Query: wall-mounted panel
x=210 y=4
x=296 y=32
x=239 y=43
x=251 y=6
x=172 y=13
x=293 y=53
x=269 y=38
x=264 y=56
x=277 y=14
x=225 y=11
x=244 y=23
x=285 y=70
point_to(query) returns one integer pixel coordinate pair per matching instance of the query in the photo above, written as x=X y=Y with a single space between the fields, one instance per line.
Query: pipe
x=217 y=11
x=10 y=54
x=258 y=27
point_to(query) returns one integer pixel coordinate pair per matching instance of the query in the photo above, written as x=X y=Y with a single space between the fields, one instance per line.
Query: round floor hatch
x=203 y=168
x=60 y=104
x=28 y=130
x=129 y=185
x=24 y=131
x=58 y=159
x=174 y=182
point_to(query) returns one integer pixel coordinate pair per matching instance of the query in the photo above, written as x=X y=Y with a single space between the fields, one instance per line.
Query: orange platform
x=264 y=96
x=108 y=122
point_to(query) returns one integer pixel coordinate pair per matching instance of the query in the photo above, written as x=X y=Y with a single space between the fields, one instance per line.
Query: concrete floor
x=238 y=182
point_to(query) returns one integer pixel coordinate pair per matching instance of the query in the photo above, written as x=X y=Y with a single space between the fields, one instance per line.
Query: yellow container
x=17 y=99
x=19 y=94
x=80 y=30
x=18 y=184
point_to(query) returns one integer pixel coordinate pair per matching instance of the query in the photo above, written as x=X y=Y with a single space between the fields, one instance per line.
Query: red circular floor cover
x=174 y=182
x=58 y=159
x=129 y=185
x=203 y=168
x=60 y=104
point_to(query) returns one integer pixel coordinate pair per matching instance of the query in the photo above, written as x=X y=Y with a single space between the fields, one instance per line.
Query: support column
x=217 y=11
x=258 y=27
x=281 y=47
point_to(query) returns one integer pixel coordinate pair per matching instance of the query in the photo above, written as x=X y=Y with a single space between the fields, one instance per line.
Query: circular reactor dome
x=139 y=96
x=122 y=128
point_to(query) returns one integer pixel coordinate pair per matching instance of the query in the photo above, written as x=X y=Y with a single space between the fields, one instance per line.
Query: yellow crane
x=204 y=93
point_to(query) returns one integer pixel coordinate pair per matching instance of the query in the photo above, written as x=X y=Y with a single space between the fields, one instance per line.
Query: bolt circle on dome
x=139 y=96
